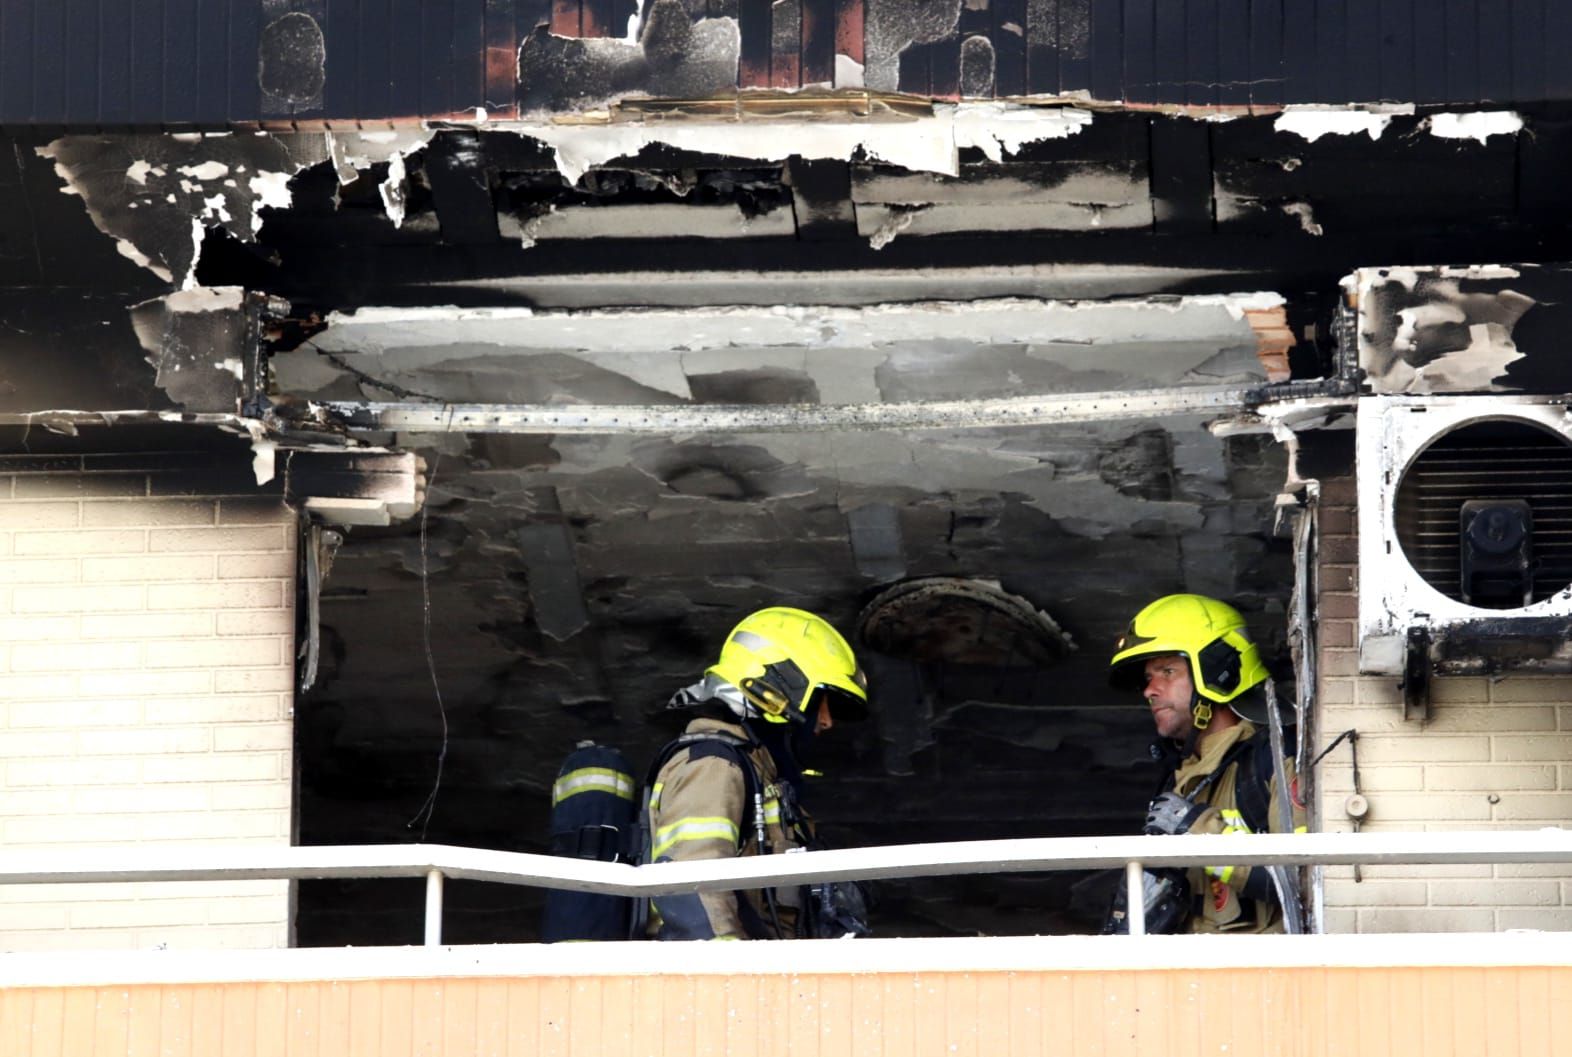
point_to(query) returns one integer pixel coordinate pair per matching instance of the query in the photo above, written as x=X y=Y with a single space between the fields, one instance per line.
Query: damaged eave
x=1113 y=406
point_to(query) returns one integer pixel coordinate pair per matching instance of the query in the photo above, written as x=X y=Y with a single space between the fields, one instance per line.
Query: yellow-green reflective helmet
x=784 y=659
x=1224 y=663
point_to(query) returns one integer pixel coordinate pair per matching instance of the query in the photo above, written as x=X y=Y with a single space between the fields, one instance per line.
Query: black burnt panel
x=94 y=62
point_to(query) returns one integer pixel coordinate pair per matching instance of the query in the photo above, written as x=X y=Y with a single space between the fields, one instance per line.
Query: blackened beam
x=1043 y=410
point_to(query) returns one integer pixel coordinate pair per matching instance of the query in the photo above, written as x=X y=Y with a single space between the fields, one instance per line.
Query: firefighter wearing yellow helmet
x=1201 y=676
x=731 y=785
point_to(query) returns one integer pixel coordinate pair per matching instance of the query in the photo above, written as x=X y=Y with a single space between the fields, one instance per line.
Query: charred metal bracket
x=1416 y=675
x=1044 y=409
x=355 y=487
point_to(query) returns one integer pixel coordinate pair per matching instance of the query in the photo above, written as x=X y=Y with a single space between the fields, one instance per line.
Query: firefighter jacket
x=699 y=809
x=1234 y=898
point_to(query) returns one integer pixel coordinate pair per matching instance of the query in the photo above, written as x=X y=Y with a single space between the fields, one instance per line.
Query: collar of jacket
x=1213 y=750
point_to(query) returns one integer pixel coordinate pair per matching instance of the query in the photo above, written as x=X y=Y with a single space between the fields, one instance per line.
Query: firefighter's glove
x=1171 y=814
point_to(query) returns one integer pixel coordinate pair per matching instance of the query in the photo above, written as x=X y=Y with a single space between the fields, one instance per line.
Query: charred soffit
x=1104 y=204
x=572 y=582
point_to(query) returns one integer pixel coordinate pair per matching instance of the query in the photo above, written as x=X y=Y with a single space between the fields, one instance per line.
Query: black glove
x=1171 y=814
x=1166 y=895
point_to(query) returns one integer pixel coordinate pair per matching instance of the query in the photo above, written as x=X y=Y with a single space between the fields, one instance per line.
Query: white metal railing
x=1034 y=855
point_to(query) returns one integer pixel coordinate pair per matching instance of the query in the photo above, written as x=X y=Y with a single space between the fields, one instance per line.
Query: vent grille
x=1487 y=460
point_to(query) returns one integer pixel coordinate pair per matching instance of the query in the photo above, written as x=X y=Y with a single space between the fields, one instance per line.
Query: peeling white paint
x=208 y=170
x=216 y=208
x=998 y=129
x=271 y=190
x=263 y=458
x=394 y=190
x=1479 y=125
x=137 y=172
x=928 y=144
x=897 y=222
x=205 y=299
x=129 y=251
x=1305 y=215
x=198 y=232
x=1313 y=122
x=848 y=72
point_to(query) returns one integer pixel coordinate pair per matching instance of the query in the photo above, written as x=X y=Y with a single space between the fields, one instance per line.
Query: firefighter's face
x=822 y=722
x=1168 y=693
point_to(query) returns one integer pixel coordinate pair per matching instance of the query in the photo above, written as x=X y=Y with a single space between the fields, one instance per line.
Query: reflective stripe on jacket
x=697 y=811
x=1233 y=898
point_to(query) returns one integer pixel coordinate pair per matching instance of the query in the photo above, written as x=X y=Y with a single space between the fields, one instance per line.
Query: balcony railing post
x=434 y=908
x=1135 y=897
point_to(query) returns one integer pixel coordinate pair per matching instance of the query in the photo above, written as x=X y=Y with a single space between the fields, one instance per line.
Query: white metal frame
x=435 y=862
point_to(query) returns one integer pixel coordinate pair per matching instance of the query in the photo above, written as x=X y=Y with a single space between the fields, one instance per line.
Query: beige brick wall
x=146 y=659
x=1493 y=754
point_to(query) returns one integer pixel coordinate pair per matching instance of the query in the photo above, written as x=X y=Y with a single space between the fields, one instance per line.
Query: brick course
x=1493 y=754
x=146 y=679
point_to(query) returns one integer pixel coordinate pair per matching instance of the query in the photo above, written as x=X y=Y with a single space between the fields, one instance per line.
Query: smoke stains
x=1141 y=466
x=291 y=64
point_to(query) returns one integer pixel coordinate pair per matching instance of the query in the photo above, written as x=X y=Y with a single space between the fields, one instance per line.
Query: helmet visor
x=845 y=707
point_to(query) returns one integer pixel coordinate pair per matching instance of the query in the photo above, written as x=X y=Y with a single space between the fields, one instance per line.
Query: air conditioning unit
x=1465 y=535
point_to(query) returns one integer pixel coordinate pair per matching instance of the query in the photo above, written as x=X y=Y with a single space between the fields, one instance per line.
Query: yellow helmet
x=781 y=659
x=1224 y=663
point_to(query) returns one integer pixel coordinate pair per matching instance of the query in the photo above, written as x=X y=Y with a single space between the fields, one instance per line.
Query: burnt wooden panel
x=502 y=39
x=114 y=63
x=146 y=37
x=1009 y=47
x=469 y=53
x=1462 y=55
x=916 y=69
x=407 y=52
x=1330 y=53
x=818 y=41
x=1429 y=70
x=1493 y=38
x=1396 y=36
x=786 y=44
x=1169 y=67
x=1270 y=46
x=1107 y=49
x=1201 y=53
x=944 y=68
x=245 y=36
x=1233 y=52
x=201 y=33
x=81 y=56
x=1362 y=48
x=1558 y=44
x=1075 y=45
x=849 y=28
x=374 y=87
x=1528 y=50
x=436 y=58
x=566 y=18
x=1140 y=51
x=755 y=23
x=16 y=71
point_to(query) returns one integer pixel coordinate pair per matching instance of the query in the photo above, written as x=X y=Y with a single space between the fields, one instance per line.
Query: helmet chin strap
x=1200 y=719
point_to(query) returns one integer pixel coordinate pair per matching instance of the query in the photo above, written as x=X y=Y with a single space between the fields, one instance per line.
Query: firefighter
x=1201 y=676
x=731 y=784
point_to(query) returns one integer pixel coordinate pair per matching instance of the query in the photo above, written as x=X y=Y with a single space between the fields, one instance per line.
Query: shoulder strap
x=729 y=745
x=1253 y=787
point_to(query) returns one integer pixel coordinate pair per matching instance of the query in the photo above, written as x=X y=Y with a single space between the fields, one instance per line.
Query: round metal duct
x=1484 y=513
x=958 y=621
